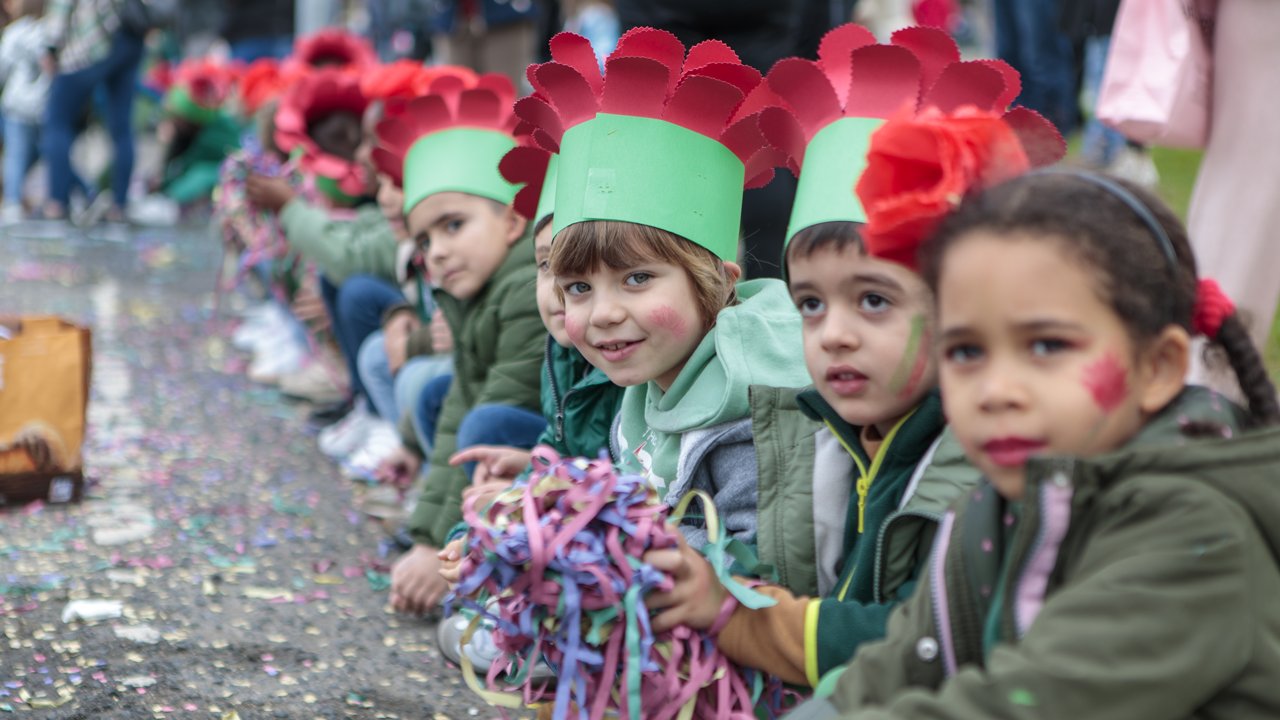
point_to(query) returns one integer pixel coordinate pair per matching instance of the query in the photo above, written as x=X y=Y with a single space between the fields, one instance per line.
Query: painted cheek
x=666 y=318
x=574 y=328
x=1107 y=381
x=915 y=359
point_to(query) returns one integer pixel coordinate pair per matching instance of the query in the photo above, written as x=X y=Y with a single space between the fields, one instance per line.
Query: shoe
x=382 y=502
x=268 y=323
x=1136 y=166
x=317 y=382
x=11 y=215
x=481 y=650
x=342 y=438
x=154 y=211
x=383 y=440
x=276 y=359
x=326 y=415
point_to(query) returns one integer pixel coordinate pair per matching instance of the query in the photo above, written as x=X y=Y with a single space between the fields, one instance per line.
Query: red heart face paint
x=666 y=318
x=1107 y=381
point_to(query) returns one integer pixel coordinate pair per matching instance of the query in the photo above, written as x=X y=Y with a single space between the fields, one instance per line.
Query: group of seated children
x=958 y=432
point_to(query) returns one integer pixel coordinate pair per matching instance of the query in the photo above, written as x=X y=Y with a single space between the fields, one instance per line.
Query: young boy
x=200 y=133
x=866 y=327
x=479 y=255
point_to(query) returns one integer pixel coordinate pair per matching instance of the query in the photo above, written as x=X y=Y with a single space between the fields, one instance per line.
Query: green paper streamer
x=651 y=172
x=459 y=160
x=547 y=200
x=179 y=103
x=330 y=188
x=833 y=161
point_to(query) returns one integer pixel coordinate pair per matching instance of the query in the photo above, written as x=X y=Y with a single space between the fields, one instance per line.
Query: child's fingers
x=475 y=453
x=668 y=561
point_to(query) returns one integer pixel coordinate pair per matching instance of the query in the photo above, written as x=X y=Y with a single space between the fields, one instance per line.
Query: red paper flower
x=262 y=82
x=313 y=97
x=209 y=82
x=919 y=168
x=334 y=48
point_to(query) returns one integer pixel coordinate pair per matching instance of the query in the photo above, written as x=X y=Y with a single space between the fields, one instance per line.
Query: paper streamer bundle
x=556 y=566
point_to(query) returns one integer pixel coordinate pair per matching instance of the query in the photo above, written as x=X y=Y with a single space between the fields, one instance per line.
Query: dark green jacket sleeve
x=363 y=245
x=843 y=626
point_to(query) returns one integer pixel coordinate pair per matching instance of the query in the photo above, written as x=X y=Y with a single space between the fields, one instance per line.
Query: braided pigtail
x=1251 y=373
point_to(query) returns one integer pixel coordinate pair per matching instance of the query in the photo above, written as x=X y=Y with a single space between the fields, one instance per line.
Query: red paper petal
x=833 y=55
x=743 y=77
x=932 y=47
x=743 y=137
x=966 y=83
x=1040 y=140
x=637 y=86
x=807 y=90
x=525 y=166
x=702 y=104
x=759 y=168
x=885 y=79
x=389 y=163
x=576 y=52
x=1012 y=82
x=480 y=108
x=569 y=92
x=784 y=134
x=659 y=45
x=538 y=113
x=761 y=97
x=708 y=52
x=501 y=87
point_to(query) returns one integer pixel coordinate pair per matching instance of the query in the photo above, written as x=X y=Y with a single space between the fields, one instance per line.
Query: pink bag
x=1158 y=87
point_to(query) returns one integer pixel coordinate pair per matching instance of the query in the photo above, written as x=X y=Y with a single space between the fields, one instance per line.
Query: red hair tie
x=1212 y=308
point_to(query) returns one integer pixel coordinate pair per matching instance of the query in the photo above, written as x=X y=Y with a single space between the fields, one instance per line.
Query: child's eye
x=873 y=303
x=453 y=226
x=1048 y=346
x=638 y=278
x=962 y=354
x=544 y=266
x=576 y=288
x=810 y=307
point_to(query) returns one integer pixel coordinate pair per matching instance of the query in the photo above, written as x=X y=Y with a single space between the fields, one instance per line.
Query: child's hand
x=481 y=495
x=696 y=594
x=441 y=335
x=268 y=193
x=398 y=469
x=451 y=562
x=493 y=462
x=416 y=584
x=309 y=308
x=395 y=339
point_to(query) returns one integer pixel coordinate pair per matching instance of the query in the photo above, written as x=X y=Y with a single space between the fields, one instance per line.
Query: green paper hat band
x=457 y=160
x=547 y=200
x=330 y=188
x=178 y=102
x=833 y=161
x=651 y=172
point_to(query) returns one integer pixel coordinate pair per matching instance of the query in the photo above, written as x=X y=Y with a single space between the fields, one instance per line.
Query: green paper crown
x=833 y=161
x=547 y=199
x=650 y=172
x=457 y=160
x=178 y=102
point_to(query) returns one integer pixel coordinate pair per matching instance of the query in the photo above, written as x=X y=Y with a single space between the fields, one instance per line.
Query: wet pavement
x=248 y=587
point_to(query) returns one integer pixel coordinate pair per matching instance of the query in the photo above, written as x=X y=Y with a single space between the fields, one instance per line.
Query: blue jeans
x=483 y=424
x=383 y=388
x=117 y=74
x=1027 y=37
x=21 y=150
x=412 y=380
x=1100 y=143
x=356 y=310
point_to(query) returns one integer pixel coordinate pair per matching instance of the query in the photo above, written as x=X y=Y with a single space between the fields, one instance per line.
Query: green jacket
x=498 y=349
x=848 y=529
x=361 y=245
x=578 y=401
x=194 y=174
x=1138 y=584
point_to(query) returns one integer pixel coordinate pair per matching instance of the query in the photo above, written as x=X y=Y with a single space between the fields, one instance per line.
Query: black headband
x=1138 y=207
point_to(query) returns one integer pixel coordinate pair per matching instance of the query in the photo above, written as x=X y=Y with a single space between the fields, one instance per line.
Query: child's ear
x=733 y=270
x=1163 y=366
x=515 y=224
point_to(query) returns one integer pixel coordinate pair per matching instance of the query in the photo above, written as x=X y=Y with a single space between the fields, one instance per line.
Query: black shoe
x=326 y=415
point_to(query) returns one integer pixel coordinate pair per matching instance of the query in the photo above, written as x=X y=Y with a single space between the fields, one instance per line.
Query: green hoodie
x=756 y=342
x=363 y=244
x=578 y=401
x=193 y=175
x=1137 y=584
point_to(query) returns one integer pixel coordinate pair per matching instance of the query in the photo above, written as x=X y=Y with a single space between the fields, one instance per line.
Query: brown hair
x=835 y=234
x=586 y=246
x=1134 y=276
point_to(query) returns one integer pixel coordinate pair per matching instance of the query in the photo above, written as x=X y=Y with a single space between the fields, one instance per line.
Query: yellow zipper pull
x=863 y=485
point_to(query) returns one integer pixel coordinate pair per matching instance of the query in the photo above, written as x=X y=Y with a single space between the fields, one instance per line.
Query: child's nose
x=838 y=333
x=606 y=310
x=1000 y=388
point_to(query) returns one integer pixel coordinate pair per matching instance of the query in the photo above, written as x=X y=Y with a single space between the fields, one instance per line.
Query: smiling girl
x=1120 y=562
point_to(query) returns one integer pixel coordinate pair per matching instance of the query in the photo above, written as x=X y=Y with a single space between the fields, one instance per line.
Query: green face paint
x=911 y=367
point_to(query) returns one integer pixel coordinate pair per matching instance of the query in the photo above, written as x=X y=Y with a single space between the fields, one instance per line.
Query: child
x=200 y=134
x=867 y=343
x=1114 y=564
x=644 y=256
x=459 y=207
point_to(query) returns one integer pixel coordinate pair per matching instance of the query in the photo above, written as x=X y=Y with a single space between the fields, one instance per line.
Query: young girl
x=644 y=255
x=1116 y=563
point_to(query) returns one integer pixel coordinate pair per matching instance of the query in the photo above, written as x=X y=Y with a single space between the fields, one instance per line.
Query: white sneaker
x=276 y=359
x=343 y=437
x=154 y=211
x=482 y=651
x=383 y=440
x=316 y=383
x=1136 y=166
x=269 y=324
x=11 y=214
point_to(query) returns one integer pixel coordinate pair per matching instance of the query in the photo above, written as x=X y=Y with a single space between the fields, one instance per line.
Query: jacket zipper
x=938 y=591
x=884 y=530
x=555 y=392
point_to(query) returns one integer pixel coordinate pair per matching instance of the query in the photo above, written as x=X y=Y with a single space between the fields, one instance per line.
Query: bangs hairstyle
x=1132 y=275
x=836 y=235
x=588 y=246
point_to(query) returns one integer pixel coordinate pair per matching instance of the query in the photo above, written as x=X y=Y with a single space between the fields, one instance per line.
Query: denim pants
x=384 y=388
x=1100 y=143
x=20 y=152
x=1027 y=37
x=483 y=424
x=355 y=309
x=117 y=74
